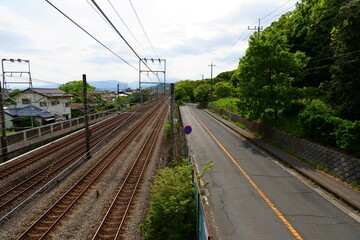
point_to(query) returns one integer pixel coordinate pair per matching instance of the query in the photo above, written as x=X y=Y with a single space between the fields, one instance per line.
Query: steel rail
x=114 y=218
x=18 y=192
x=26 y=162
x=74 y=138
x=42 y=227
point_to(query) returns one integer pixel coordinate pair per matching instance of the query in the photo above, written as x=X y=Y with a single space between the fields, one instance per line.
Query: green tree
x=76 y=88
x=223 y=89
x=10 y=100
x=263 y=77
x=225 y=76
x=181 y=94
x=202 y=93
x=172 y=212
x=184 y=91
x=344 y=88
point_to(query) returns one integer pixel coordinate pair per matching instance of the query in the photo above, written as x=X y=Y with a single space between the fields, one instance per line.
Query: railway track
x=17 y=194
x=56 y=213
x=115 y=218
x=107 y=124
x=14 y=196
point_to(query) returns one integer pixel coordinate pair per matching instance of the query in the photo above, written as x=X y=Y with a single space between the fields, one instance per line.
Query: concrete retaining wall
x=342 y=165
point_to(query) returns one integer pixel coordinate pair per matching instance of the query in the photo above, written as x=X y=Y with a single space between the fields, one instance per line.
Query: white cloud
x=189 y=34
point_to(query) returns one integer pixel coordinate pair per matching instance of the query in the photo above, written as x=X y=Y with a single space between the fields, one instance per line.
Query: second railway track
x=11 y=197
x=53 y=217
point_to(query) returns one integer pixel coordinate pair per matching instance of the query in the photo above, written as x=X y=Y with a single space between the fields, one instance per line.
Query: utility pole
x=3 y=128
x=118 y=97
x=211 y=66
x=86 y=118
x=256 y=28
x=172 y=101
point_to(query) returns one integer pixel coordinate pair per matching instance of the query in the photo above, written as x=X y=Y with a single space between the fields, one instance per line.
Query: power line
x=126 y=26
x=143 y=28
x=90 y=35
x=276 y=10
x=97 y=12
x=122 y=37
x=327 y=65
x=340 y=55
x=232 y=49
x=279 y=14
x=240 y=38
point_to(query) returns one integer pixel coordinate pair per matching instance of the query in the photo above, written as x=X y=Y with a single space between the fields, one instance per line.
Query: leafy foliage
x=227 y=104
x=223 y=90
x=172 y=213
x=344 y=87
x=202 y=93
x=263 y=86
x=320 y=124
x=309 y=57
x=76 y=88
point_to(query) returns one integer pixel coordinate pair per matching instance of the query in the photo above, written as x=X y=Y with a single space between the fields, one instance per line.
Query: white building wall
x=45 y=103
x=8 y=122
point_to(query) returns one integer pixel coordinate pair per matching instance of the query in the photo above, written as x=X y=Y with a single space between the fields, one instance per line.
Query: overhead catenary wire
x=137 y=16
x=97 y=12
x=91 y=35
x=122 y=20
x=122 y=37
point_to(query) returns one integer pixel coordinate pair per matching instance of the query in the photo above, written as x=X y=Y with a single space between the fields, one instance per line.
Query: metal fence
x=202 y=227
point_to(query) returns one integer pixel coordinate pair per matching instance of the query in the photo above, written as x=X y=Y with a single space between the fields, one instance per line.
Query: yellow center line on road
x=267 y=200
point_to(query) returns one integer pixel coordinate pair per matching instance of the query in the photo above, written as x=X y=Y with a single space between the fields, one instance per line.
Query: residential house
x=125 y=93
x=14 y=116
x=51 y=100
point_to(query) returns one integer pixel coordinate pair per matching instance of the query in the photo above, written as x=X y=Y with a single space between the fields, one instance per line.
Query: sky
x=188 y=34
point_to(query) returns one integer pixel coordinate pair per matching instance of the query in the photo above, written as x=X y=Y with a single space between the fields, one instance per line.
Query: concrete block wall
x=341 y=164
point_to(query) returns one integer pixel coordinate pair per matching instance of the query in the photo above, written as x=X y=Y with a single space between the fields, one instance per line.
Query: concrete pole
x=3 y=128
x=86 y=118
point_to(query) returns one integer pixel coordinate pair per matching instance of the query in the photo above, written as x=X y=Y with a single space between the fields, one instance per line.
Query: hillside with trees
x=301 y=74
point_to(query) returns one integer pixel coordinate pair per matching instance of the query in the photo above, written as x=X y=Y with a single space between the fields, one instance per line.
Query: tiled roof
x=28 y=111
x=49 y=92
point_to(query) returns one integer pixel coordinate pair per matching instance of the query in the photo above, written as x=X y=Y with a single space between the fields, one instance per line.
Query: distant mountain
x=112 y=85
x=102 y=85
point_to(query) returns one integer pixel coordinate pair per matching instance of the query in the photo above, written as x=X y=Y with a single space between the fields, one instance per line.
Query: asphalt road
x=252 y=196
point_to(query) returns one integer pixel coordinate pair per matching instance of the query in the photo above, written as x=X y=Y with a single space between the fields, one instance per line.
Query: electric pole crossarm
x=256 y=28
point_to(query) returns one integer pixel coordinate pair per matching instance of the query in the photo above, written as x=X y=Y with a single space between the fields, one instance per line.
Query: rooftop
x=28 y=111
x=49 y=92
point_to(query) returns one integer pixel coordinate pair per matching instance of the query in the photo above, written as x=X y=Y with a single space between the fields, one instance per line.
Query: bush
x=348 y=137
x=172 y=212
x=322 y=126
